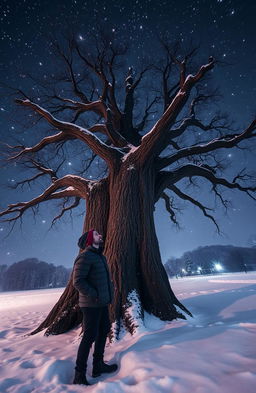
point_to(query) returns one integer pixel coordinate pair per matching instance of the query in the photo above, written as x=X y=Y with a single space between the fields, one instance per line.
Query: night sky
x=223 y=28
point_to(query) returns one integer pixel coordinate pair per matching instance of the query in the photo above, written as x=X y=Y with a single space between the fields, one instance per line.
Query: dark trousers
x=96 y=326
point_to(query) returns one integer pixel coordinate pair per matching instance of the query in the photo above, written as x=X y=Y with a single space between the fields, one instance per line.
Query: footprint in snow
x=7 y=350
x=12 y=360
x=3 y=333
x=27 y=364
x=37 y=352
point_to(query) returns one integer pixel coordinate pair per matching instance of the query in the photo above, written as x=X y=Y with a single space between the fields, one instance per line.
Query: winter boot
x=101 y=367
x=80 y=378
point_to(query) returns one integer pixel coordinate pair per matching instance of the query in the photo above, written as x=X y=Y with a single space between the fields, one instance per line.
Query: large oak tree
x=143 y=125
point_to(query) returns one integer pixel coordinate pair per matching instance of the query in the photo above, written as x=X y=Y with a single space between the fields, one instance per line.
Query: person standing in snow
x=92 y=280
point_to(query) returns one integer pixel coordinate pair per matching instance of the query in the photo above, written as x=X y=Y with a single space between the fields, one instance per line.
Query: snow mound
x=56 y=371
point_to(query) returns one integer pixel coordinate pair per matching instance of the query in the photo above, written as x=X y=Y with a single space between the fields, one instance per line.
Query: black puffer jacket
x=92 y=279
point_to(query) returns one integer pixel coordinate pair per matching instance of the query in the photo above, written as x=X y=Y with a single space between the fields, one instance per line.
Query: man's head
x=90 y=238
x=97 y=238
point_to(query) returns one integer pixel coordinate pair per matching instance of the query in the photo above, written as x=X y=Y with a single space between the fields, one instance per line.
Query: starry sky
x=224 y=29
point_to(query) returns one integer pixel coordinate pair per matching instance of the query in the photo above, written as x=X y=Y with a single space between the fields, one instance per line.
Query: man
x=92 y=280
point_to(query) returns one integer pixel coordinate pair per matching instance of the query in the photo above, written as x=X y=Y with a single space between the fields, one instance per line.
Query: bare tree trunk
x=132 y=250
x=66 y=313
x=122 y=247
x=157 y=296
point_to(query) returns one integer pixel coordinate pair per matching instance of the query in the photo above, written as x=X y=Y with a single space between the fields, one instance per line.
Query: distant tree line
x=32 y=274
x=212 y=259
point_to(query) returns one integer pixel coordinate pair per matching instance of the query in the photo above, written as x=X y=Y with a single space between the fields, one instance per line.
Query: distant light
x=199 y=269
x=218 y=266
x=183 y=271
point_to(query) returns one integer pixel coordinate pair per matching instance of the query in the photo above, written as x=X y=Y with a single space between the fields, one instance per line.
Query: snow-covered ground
x=213 y=352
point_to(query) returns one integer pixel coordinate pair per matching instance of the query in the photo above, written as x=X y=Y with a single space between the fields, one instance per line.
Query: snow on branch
x=74 y=186
x=108 y=153
x=95 y=106
x=56 y=138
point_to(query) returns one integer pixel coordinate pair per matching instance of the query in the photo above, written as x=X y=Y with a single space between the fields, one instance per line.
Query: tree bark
x=140 y=280
x=157 y=295
x=122 y=247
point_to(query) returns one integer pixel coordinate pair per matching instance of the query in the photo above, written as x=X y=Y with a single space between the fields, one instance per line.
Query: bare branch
x=26 y=181
x=65 y=209
x=169 y=208
x=69 y=61
x=166 y=179
x=108 y=153
x=56 y=138
x=191 y=121
x=157 y=138
x=74 y=186
x=186 y=197
x=98 y=69
x=141 y=125
x=130 y=86
x=183 y=64
x=216 y=143
x=43 y=170
x=95 y=106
